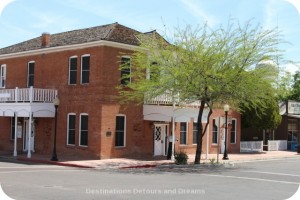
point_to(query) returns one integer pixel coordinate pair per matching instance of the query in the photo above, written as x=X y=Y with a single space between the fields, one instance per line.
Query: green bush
x=181 y=158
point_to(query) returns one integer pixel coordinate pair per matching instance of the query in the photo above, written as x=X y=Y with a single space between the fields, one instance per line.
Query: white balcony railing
x=167 y=99
x=27 y=95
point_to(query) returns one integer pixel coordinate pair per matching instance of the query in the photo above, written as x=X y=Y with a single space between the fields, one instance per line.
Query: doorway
x=160 y=139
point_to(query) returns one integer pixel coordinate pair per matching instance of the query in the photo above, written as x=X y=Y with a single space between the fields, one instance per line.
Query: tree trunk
x=199 y=134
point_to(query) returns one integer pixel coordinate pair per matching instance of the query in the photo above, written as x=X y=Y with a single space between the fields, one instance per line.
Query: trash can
x=294 y=146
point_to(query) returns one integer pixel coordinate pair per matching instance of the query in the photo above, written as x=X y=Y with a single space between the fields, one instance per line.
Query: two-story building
x=82 y=69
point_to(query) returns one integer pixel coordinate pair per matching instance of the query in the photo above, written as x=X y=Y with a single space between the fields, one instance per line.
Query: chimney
x=45 y=39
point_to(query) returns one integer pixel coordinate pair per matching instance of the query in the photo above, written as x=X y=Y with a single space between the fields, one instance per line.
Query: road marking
x=273 y=173
x=30 y=171
x=249 y=178
x=51 y=166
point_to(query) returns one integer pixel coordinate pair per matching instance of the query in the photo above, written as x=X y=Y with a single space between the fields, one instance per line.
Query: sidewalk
x=134 y=163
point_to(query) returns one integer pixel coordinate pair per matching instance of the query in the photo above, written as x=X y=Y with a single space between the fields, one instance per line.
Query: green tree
x=295 y=91
x=209 y=66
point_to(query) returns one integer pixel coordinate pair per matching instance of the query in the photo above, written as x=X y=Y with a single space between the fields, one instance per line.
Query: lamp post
x=226 y=109
x=54 y=155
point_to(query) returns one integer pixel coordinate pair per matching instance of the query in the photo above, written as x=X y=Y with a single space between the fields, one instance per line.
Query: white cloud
x=3 y=4
x=194 y=8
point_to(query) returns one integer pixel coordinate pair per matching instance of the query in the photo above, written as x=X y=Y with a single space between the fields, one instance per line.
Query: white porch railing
x=251 y=146
x=27 y=95
x=277 y=145
x=167 y=99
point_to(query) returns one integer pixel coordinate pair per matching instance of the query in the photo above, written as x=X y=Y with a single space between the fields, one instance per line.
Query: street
x=271 y=179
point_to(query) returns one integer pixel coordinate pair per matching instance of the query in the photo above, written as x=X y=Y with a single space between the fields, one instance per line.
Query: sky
x=21 y=20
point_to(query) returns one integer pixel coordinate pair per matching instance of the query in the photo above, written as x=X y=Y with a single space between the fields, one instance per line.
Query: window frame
x=124 y=131
x=82 y=70
x=29 y=76
x=68 y=129
x=185 y=132
x=70 y=70
x=80 y=130
x=3 y=76
x=126 y=81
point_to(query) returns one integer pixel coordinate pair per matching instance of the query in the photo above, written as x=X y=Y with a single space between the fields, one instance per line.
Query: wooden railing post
x=16 y=94
x=30 y=94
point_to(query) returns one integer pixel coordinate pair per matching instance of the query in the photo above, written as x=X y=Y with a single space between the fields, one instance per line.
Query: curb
x=53 y=163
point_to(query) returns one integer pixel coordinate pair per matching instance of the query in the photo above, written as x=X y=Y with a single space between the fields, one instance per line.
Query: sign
x=293 y=107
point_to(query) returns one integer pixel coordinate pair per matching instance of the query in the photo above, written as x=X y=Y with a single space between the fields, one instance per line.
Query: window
x=233 y=131
x=83 y=138
x=71 y=129
x=120 y=131
x=183 y=132
x=292 y=130
x=85 y=69
x=30 y=78
x=215 y=132
x=2 y=76
x=125 y=70
x=12 y=129
x=195 y=133
x=72 y=70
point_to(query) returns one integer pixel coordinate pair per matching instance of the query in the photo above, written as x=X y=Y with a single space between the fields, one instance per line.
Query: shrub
x=181 y=158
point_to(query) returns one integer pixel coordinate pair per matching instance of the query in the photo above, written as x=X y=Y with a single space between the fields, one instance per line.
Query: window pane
x=73 y=64
x=86 y=63
x=125 y=71
x=71 y=137
x=120 y=131
x=85 y=76
x=85 y=69
x=73 y=71
x=84 y=130
x=84 y=138
x=232 y=132
x=30 y=80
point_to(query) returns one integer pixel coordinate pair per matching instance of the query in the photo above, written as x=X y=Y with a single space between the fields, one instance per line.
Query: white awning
x=166 y=113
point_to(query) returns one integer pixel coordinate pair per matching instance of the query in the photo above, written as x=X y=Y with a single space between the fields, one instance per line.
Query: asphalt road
x=273 y=179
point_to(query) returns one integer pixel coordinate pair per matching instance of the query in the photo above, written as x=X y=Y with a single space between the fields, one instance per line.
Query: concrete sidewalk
x=152 y=162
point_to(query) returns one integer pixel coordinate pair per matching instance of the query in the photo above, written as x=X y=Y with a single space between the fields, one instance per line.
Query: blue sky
x=21 y=20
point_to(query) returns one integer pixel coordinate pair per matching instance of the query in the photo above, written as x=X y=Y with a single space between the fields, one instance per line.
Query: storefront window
x=292 y=133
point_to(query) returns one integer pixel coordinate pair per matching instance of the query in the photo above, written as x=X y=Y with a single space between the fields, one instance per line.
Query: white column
x=173 y=134
x=29 y=136
x=16 y=134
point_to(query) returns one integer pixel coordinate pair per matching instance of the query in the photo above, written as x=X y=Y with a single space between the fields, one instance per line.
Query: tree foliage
x=210 y=66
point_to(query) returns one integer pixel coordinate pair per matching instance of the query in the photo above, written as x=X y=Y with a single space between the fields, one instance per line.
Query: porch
x=29 y=104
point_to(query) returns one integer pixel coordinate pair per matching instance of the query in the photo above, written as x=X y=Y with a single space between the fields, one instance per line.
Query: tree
x=295 y=91
x=212 y=67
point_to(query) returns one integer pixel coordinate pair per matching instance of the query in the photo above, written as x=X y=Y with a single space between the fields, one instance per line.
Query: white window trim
x=212 y=132
x=85 y=55
x=70 y=69
x=126 y=56
x=125 y=125
x=233 y=119
x=186 y=133
x=68 y=129
x=32 y=61
x=81 y=114
x=3 y=76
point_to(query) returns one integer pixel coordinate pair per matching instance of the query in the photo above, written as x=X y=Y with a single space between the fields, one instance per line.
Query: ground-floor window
x=215 y=132
x=233 y=132
x=292 y=133
x=83 y=138
x=183 y=133
x=195 y=132
x=120 y=131
x=71 y=129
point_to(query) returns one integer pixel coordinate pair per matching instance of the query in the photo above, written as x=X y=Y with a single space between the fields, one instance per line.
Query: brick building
x=81 y=68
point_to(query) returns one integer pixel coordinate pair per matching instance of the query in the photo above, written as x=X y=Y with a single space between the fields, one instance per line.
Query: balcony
x=27 y=95
x=27 y=101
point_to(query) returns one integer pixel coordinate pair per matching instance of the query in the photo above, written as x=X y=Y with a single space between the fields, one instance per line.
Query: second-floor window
x=72 y=70
x=85 y=69
x=125 y=70
x=3 y=76
x=30 y=77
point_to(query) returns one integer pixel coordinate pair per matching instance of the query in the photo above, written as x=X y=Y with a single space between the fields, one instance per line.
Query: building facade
x=82 y=69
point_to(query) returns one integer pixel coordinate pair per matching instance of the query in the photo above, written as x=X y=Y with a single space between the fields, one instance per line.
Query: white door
x=27 y=135
x=160 y=132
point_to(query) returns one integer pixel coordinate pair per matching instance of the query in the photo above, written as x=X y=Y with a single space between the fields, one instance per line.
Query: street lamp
x=56 y=104
x=226 y=109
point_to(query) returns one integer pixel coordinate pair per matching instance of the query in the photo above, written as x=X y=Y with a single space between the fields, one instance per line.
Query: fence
x=277 y=145
x=251 y=146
